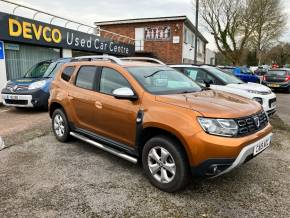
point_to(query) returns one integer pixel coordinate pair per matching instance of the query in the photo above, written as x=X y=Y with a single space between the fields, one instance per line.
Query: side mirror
x=124 y=93
x=208 y=83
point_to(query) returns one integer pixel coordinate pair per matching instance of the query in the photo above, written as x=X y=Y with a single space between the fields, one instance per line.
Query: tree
x=270 y=25
x=279 y=54
x=231 y=22
x=237 y=23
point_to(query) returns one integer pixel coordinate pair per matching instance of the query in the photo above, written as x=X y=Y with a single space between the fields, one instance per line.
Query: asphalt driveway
x=41 y=177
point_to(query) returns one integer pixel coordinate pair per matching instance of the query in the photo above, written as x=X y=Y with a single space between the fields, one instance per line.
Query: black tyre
x=60 y=125
x=165 y=163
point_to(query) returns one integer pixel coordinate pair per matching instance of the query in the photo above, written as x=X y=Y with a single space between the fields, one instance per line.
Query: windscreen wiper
x=158 y=71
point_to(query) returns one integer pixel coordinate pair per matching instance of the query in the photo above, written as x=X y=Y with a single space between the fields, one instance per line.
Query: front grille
x=252 y=124
x=16 y=102
x=15 y=88
x=271 y=101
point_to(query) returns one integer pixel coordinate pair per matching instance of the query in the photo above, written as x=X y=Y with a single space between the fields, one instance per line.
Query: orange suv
x=141 y=109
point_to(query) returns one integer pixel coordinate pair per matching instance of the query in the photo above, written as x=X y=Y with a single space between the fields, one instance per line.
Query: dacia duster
x=141 y=109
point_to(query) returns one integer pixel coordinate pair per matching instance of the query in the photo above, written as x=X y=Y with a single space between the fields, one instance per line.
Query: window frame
x=96 y=79
x=100 y=78
x=62 y=72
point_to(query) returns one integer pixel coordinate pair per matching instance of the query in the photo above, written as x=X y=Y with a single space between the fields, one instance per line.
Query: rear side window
x=86 y=77
x=111 y=80
x=67 y=72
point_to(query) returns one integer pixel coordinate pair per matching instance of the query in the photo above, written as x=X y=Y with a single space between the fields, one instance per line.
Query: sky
x=89 y=11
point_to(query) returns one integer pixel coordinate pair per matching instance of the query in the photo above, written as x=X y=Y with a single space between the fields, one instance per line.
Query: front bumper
x=28 y=98
x=269 y=103
x=17 y=100
x=217 y=167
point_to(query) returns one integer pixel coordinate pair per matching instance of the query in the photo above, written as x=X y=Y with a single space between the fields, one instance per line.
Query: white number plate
x=262 y=145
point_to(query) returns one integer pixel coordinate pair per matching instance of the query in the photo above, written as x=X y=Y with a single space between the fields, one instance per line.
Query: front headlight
x=37 y=85
x=221 y=127
x=260 y=92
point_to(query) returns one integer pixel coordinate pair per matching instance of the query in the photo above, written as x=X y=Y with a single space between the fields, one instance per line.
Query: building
x=170 y=39
x=210 y=57
x=25 y=42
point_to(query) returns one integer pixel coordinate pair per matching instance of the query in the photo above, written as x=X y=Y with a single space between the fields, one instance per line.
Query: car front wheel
x=60 y=125
x=165 y=164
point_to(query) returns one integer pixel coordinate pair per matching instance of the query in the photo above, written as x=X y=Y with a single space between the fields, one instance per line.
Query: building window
x=139 y=39
x=185 y=35
x=192 y=40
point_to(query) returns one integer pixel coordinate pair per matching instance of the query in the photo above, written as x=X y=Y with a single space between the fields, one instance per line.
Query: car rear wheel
x=165 y=164
x=60 y=125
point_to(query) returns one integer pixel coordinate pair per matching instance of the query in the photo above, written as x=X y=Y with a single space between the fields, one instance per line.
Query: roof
x=184 y=18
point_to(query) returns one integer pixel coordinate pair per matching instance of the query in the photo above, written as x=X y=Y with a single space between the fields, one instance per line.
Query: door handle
x=98 y=105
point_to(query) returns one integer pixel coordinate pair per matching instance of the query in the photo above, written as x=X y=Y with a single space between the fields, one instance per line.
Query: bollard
x=2 y=145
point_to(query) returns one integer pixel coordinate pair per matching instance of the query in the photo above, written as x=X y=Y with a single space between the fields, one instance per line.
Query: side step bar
x=105 y=148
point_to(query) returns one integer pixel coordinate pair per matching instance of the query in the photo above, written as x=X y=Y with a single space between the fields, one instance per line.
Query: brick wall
x=166 y=51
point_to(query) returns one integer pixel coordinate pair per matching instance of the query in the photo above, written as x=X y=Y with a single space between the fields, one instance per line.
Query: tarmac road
x=284 y=107
x=41 y=177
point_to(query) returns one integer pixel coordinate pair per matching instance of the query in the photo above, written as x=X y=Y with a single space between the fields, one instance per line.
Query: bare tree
x=231 y=22
x=237 y=23
x=271 y=21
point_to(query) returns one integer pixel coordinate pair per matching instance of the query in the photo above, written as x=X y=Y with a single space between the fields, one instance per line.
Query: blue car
x=32 y=90
x=246 y=75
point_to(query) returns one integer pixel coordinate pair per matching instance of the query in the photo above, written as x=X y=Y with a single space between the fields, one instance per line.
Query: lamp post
x=196 y=26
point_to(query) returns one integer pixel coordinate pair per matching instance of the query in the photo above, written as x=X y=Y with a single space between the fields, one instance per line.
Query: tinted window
x=277 y=73
x=86 y=78
x=111 y=80
x=67 y=72
x=163 y=80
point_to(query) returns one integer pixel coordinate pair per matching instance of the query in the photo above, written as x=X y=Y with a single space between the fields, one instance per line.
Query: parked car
x=219 y=80
x=154 y=114
x=278 y=79
x=246 y=75
x=32 y=90
x=227 y=69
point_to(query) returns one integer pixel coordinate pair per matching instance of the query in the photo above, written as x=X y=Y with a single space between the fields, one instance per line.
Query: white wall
x=3 y=75
x=188 y=47
x=66 y=53
x=210 y=57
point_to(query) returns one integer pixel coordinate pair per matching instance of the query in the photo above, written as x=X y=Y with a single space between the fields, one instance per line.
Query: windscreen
x=163 y=80
x=225 y=77
x=38 y=70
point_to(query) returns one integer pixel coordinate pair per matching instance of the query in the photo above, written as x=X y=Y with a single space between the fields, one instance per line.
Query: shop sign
x=158 y=33
x=24 y=30
x=13 y=47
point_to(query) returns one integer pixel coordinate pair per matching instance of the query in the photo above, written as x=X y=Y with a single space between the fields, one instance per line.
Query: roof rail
x=99 y=57
x=143 y=59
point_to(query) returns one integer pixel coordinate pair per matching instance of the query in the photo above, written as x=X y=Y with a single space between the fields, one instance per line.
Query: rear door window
x=67 y=73
x=87 y=78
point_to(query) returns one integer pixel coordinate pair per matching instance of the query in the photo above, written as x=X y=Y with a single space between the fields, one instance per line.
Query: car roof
x=184 y=65
x=125 y=63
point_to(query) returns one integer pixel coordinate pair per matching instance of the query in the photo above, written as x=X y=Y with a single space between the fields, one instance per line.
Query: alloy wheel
x=161 y=164
x=58 y=125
